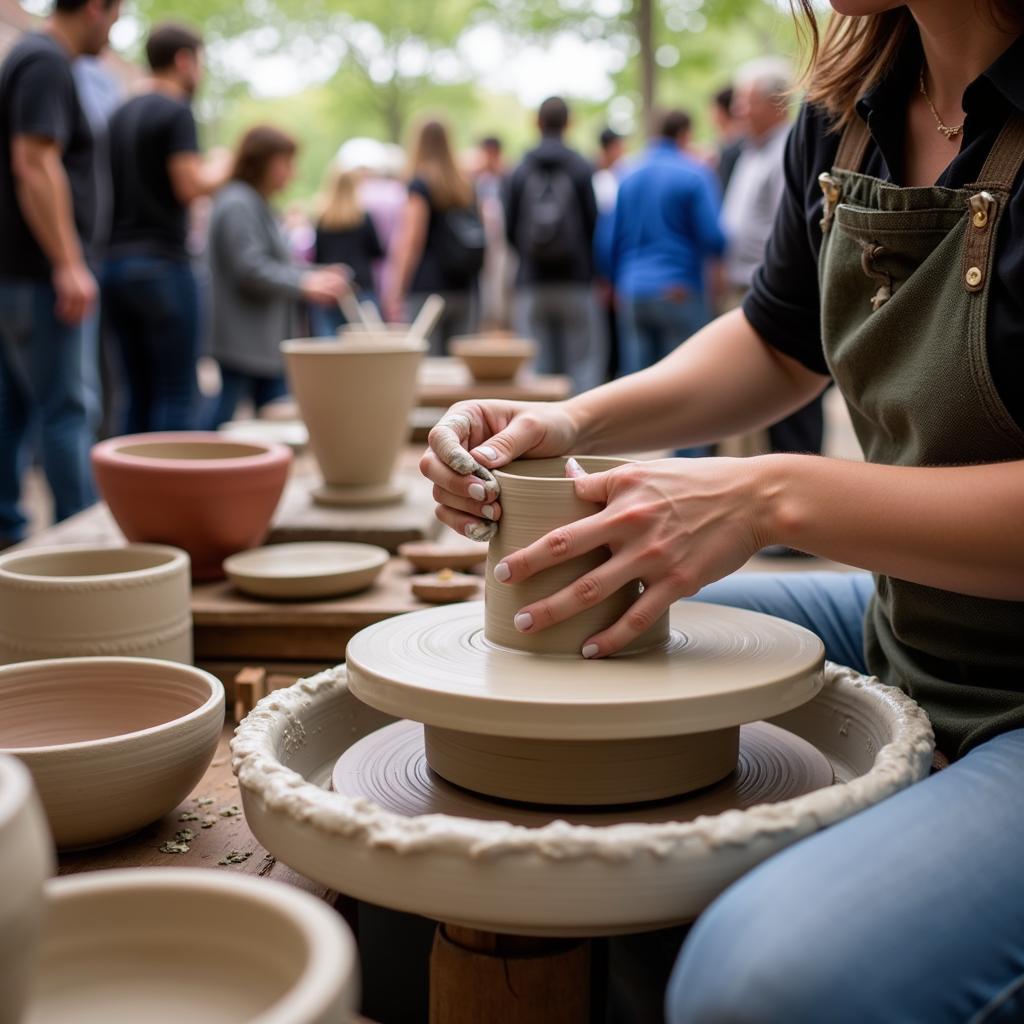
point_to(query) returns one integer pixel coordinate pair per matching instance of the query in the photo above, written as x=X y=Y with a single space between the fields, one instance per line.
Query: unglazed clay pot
x=196 y=490
x=493 y=357
x=70 y=601
x=355 y=396
x=536 y=498
x=112 y=743
x=164 y=945
x=26 y=861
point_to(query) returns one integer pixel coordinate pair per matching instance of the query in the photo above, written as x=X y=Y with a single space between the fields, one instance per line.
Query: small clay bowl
x=493 y=358
x=445 y=587
x=26 y=861
x=112 y=743
x=64 y=602
x=428 y=556
x=176 y=944
x=306 y=570
x=199 y=491
x=292 y=433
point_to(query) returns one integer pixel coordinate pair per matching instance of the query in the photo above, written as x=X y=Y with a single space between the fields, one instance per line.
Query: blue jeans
x=235 y=385
x=153 y=309
x=49 y=401
x=324 y=321
x=911 y=911
x=652 y=327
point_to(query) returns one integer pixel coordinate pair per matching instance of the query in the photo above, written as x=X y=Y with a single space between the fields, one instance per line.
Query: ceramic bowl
x=493 y=357
x=164 y=945
x=71 y=601
x=445 y=586
x=306 y=570
x=112 y=743
x=26 y=861
x=198 y=491
x=292 y=433
x=430 y=556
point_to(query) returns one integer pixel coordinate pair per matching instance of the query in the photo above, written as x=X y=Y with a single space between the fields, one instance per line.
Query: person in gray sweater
x=255 y=284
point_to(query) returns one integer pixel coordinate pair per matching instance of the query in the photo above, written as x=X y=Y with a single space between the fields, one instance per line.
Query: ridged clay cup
x=112 y=743
x=355 y=396
x=26 y=861
x=536 y=498
x=63 y=602
x=164 y=945
x=193 y=489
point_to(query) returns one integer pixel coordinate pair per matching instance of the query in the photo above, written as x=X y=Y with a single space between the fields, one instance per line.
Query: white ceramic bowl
x=112 y=743
x=165 y=945
x=26 y=861
x=61 y=602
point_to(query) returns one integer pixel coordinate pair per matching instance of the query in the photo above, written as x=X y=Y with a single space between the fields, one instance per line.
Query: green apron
x=904 y=275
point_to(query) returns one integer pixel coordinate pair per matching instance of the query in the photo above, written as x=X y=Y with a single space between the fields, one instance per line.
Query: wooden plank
x=443 y=381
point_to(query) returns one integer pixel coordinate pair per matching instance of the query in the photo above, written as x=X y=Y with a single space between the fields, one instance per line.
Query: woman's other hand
x=324 y=286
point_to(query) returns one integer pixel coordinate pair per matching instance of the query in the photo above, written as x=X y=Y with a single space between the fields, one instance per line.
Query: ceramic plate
x=316 y=569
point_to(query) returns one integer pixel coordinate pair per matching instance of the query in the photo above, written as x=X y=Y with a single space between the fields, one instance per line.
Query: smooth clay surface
x=71 y=601
x=355 y=396
x=26 y=861
x=112 y=743
x=536 y=498
x=306 y=570
x=557 y=878
x=197 y=491
x=493 y=357
x=166 y=945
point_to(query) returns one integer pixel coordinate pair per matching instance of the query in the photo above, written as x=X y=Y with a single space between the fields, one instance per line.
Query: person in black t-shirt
x=345 y=235
x=49 y=387
x=149 y=289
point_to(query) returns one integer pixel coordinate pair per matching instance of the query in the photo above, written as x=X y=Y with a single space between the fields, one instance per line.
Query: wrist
x=581 y=420
x=778 y=498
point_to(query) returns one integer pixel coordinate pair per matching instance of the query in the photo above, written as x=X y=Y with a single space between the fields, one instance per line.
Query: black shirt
x=144 y=134
x=38 y=98
x=431 y=275
x=783 y=304
x=356 y=247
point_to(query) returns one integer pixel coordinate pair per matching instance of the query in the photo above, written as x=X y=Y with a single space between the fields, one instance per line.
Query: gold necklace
x=951 y=131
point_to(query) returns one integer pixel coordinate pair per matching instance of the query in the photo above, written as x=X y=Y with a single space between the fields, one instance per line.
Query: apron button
x=973 y=277
x=980 y=219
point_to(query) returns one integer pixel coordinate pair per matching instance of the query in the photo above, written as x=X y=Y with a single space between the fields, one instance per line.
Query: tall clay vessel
x=536 y=498
x=355 y=396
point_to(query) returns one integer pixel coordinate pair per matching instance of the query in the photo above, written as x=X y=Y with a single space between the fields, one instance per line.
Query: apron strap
x=1000 y=171
x=853 y=145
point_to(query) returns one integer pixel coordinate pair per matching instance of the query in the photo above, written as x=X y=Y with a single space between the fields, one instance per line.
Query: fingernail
x=523 y=622
x=488 y=452
x=573 y=468
x=477 y=492
x=487 y=511
x=502 y=573
x=590 y=651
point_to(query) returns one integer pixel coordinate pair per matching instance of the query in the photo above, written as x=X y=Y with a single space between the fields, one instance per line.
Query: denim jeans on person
x=152 y=306
x=911 y=911
x=49 y=401
x=652 y=326
x=324 y=321
x=235 y=386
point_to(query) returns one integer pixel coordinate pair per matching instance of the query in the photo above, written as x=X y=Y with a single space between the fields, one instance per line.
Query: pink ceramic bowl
x=197 y=491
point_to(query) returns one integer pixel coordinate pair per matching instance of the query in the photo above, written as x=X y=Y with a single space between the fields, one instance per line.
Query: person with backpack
x=441 y=242
x=550 y=215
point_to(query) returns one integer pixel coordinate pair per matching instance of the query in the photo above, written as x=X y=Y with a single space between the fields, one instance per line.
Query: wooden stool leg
x=507 y=979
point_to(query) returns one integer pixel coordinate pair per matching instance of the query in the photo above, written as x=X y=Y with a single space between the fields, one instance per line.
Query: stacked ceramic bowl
x=77 y=600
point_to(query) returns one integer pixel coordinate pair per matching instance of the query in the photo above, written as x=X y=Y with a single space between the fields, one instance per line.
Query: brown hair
x=432 y=161
x=855 y=52
x=256 y=149
x=339 y=204
x=167 y=40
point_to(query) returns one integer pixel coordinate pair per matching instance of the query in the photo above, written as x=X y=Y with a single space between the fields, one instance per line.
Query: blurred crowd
x=608 y=260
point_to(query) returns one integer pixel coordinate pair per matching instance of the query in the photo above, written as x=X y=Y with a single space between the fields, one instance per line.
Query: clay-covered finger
x=467 y=526
x=488 y=510
x=448 y=439
x=642 y=614
x=553 y=548
x=455 y=483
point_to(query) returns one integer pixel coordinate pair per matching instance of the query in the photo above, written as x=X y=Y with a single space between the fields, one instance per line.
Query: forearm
x=956 y=528
x=45 y=200
x=722 y=381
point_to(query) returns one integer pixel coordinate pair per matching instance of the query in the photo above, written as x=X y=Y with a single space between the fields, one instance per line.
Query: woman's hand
x=675 y=524
x=324 y=286
x=475 y=437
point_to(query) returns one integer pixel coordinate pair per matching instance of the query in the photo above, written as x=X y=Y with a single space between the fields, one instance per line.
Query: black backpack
x=550 y=230
x=461 y=243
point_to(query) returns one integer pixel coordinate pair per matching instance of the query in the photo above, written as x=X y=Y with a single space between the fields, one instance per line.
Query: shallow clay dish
x=306 y=570
x=81 y=600
x=493 y=357
x=165 y=945
x=429 y=556
x=556 y=878
x=112 y=743
x=445 y=586
x=26 y=861
x=292 y=433
x=198 y=491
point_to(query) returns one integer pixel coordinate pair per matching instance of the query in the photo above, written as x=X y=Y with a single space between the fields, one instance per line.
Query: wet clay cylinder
x=536 y=498
x=355 y=396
